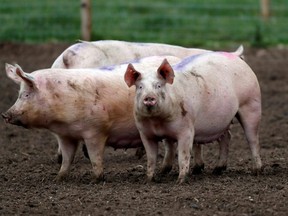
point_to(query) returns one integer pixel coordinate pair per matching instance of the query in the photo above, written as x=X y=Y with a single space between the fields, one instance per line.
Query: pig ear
x=11 y=73
x=131 y=75
x=28 y=79
x=165 y=71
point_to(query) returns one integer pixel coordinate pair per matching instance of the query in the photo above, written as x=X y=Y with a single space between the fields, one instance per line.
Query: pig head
x=23 y=112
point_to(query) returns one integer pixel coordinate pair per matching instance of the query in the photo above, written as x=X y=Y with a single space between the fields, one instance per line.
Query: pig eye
x=158 y=86
x=140 y=87
x=24 y=95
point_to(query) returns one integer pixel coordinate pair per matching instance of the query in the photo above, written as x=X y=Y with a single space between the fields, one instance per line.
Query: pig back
x=84 y=95
x=110 y=52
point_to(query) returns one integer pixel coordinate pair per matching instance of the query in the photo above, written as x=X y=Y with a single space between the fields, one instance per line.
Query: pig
x=110 y=52
x=195 y=101
x=90 y=105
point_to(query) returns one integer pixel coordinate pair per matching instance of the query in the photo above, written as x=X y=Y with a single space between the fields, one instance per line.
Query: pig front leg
x=185 y=143
x=95 y=147
x=170 y=151
x=151 y=148
x=68 y=149
x=223 y=153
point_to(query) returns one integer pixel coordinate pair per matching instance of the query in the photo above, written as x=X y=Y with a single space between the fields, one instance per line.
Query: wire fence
x=184 y=22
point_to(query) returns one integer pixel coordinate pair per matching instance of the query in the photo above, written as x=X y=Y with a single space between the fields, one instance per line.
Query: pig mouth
x=18 y=123
x=150 y=109
x=14 y=121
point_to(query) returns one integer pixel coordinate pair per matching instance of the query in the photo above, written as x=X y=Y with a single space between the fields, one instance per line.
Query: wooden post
x=86 y=22
x=265 y=9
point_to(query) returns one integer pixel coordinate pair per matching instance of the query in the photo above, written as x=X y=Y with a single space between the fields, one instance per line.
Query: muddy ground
x=28 y=165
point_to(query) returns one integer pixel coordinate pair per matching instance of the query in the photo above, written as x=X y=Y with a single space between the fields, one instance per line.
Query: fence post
x=265 y=9
x=86 y=22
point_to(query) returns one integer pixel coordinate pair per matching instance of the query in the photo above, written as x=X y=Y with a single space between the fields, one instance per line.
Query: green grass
x=209 y=23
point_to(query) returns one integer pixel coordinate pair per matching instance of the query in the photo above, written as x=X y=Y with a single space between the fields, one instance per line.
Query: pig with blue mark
x=193 y=103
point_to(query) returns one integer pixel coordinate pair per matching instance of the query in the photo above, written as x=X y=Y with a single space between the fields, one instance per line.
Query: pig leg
x=151 y=148
x=170 y=151
x=198 y=161
x=95 y=147
x=59 y=155
x=68 y=148
x=249 y=118
x=223 y=153
x=185 y=143
x=140 y=151
x=84 y=150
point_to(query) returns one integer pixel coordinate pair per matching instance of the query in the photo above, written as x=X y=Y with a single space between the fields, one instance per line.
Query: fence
x=209 y=23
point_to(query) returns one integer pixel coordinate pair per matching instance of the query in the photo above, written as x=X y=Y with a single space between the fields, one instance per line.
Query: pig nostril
x=150 y=101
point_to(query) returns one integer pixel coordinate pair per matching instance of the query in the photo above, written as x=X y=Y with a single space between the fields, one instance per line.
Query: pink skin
x=195 y=102
x=90 y=105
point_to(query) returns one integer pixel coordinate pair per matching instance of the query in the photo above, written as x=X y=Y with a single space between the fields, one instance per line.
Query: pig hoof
x=59 y=159
x=85 y=151
x=140 y=152
x=219 y=170
x=165 y=170
x=182 y=180
x=150 y=179
x=98 y=179
x=60 y=178
x=257 y=172
x=197 y=169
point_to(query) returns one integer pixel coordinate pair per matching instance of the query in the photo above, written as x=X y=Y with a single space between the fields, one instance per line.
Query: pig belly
x=203 y=137
x=124 y=141
x=211 y=129
x=215 y=116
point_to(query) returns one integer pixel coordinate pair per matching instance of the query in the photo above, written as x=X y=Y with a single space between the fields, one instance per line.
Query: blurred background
x=197 y=23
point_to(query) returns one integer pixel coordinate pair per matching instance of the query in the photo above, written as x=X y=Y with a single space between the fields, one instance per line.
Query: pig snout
x=150 y=101
x=6 y=117
x=12 y=119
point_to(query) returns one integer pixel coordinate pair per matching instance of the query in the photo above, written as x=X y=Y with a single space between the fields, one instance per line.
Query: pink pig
x=195 y=102
x=110 y=52
x=90 y=105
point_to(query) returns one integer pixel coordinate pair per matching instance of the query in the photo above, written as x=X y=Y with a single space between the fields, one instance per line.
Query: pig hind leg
x=68 y=149
x=249 y=117
x=223 y=153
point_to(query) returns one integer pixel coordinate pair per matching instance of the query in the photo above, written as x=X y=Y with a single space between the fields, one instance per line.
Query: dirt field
x=28 y=165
